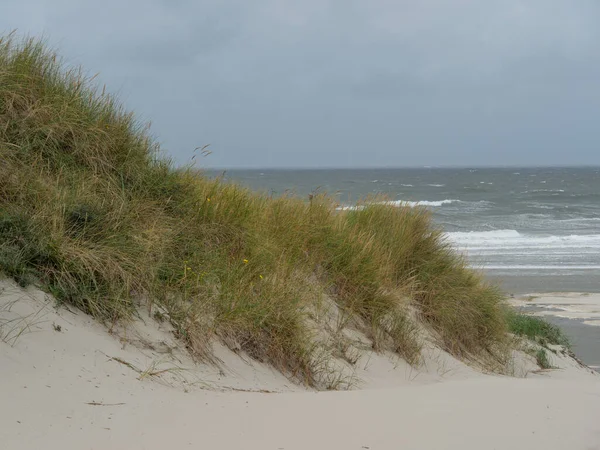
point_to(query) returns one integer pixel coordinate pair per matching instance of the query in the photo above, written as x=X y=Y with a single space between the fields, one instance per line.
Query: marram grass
x=92 y=213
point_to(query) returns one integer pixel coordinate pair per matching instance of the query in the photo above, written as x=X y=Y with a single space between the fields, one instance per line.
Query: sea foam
x=505 y=239
x=400 y=203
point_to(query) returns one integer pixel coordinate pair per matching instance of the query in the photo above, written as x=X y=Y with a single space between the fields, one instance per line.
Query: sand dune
x=68 y=384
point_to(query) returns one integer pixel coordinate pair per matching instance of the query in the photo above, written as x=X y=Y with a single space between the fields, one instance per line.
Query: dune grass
x=92 y=213
x=536 y=329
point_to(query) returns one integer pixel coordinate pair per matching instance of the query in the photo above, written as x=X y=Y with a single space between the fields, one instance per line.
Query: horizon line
x=578 y=166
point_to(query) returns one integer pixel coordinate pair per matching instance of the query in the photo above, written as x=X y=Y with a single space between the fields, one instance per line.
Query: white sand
x=48 y=379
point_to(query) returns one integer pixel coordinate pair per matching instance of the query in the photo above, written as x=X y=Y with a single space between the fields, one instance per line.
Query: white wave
x=400 y=203
x=407 y=185
x=350 y=208
x=420 y=203
x=514 y=253
x=436 y=185
x=519 y=251
x=540 y=206
x=581 y=219
x=535 y=191
x=503 y=240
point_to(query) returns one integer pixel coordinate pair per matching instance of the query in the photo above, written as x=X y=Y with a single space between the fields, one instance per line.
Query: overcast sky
x=343 y=83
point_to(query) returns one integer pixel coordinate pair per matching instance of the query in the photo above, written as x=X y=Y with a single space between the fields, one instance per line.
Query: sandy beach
x=68 y=384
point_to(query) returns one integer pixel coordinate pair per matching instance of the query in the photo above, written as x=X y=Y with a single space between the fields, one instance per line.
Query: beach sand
x=65 y=383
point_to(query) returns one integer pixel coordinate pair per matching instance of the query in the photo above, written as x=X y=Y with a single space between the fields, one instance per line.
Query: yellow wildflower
x=245 y=261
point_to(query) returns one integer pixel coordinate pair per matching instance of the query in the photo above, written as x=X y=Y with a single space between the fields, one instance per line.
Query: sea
x=528 y=229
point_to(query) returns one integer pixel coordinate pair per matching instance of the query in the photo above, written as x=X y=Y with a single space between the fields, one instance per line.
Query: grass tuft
x=536 y=329
x=541 y=357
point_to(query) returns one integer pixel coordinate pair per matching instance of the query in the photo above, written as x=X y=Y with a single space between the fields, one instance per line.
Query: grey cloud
x=337 y=83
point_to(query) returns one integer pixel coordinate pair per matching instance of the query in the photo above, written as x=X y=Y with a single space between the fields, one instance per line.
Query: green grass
x=91 y=212
x=536 y=329
x=541 y=357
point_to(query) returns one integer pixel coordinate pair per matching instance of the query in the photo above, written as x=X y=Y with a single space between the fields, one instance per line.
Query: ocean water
x=528 y=229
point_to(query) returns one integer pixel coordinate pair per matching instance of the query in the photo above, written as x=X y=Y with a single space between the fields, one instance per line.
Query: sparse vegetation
x=536 y=329
x=540 y=332
x=541 y=357
x=13 y=326
x=92 y=213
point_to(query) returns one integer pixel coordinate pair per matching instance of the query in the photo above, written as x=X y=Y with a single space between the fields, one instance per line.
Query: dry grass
x=13 y=326
x=92 y=213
